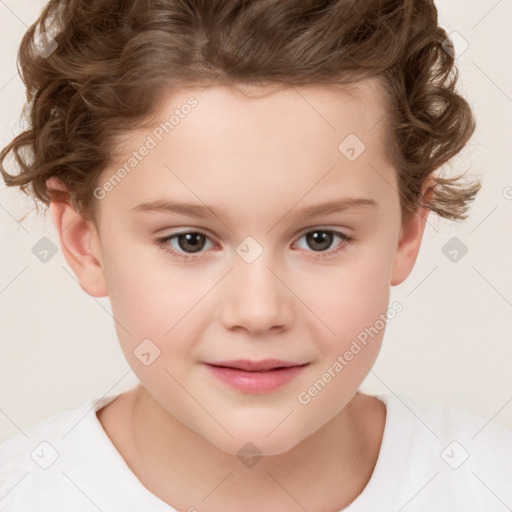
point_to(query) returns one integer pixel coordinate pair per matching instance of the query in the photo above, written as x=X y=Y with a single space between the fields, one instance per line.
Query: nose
x=256 y=299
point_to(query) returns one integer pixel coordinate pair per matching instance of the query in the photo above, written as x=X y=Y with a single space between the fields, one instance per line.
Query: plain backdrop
x=451 y=344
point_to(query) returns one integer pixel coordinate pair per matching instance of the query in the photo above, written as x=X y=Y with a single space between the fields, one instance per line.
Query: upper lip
x=252 y=366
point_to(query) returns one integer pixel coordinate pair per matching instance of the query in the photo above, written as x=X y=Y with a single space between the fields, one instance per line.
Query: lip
x=259 y=376
x=254 y=366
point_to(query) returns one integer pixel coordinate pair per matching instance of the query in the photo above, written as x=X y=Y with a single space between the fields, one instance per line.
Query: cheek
x=152 y=324
x=153 y=299
x=350 y=296
x=350 y=301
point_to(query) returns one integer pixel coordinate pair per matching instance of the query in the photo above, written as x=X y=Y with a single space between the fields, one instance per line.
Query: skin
x=251 y=160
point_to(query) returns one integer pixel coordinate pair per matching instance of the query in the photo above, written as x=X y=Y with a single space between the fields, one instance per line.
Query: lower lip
x=256 y=382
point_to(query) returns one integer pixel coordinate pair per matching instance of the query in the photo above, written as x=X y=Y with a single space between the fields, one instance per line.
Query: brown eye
x=192 y=241
x=320 y=240
x=187 y=243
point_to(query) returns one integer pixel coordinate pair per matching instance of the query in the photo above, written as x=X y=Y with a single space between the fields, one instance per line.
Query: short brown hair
x=115 y=59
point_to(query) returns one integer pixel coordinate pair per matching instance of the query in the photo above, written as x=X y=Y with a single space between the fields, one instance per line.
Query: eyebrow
x=203 y=212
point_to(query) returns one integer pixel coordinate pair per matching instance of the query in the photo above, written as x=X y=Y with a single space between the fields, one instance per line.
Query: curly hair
x=113 y=60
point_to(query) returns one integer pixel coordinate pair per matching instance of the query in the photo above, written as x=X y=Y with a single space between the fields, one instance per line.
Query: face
x=247 y=272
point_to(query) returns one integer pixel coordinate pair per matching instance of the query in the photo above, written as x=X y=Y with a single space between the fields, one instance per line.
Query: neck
x=326 y=471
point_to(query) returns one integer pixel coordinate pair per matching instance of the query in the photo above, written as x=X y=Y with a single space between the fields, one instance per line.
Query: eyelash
x=163 y=243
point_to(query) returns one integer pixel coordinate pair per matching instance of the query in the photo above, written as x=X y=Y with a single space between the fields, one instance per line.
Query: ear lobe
x=79 y=240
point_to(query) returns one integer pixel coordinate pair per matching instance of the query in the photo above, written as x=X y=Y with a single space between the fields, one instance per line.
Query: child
x=247 y=130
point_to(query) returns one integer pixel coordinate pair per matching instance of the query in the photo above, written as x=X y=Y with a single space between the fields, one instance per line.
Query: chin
x=257 y=443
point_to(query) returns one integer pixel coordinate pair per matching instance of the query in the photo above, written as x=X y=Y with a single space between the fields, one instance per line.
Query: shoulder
x=443 y=420
x=34 y=462
x=452 y=455
x=472 y=432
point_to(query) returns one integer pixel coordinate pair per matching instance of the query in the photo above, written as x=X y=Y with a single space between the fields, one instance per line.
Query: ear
x=410 y=238
x=79 y=240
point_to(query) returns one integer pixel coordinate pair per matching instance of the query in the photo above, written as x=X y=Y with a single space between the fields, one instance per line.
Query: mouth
x=256 y=366
x=256 y=377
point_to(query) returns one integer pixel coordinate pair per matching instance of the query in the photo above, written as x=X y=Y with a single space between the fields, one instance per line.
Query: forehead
x=304 y=112
x=259 y=143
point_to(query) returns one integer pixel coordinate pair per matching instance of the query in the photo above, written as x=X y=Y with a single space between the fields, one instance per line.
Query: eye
x=192 y=241
x=187 y=243
x=321 y=239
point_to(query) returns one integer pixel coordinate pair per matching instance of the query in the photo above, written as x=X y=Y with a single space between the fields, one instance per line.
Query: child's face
x=255 y=163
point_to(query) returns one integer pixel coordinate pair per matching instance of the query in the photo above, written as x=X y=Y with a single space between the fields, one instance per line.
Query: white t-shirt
x=432 y=458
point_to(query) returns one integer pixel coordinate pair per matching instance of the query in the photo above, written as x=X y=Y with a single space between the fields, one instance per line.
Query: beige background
x=451 y=344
